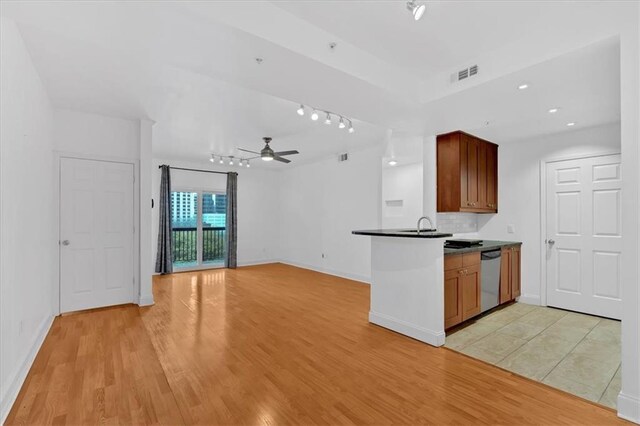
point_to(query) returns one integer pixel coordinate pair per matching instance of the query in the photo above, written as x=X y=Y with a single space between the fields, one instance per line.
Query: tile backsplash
x=456 y=223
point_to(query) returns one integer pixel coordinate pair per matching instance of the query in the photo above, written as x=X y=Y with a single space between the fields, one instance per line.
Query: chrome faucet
x=420 y=221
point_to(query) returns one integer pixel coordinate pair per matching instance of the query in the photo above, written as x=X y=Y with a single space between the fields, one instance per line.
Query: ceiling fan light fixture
x=328 y=119
x=301 y=110
x=314 y=115
x=417 y=10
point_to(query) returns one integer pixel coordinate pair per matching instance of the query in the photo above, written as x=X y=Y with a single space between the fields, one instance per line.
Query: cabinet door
x=471 y=292
x=472 y=169
x=515 y=272
x=483 y=153
x=505 y=275
x=491 y=152
x=452 y=298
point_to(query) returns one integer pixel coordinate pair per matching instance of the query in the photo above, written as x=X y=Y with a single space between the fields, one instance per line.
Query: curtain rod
x=199 y=170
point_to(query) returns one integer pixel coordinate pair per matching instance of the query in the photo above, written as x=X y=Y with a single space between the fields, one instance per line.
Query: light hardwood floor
x=268 y=344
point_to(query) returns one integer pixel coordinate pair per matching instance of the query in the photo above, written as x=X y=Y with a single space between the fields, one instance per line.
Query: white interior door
x=96 y=234
x=584 y=235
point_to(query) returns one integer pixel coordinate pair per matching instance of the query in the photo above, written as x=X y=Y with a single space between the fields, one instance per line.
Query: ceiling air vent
x=343 y=157
x=464 y=73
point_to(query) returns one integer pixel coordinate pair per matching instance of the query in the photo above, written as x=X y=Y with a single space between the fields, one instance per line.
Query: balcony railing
x=185 y=245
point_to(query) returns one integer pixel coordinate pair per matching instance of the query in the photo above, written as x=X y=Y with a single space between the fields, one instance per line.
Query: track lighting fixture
x=230 y=160
x=248 y=165
x=417 y=10
x=315 y=115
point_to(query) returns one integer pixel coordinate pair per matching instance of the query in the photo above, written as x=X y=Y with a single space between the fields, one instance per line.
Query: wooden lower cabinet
x=462 y=288
x=452 y=299
x=463 y=283
x=471 y=292
x=510 y=273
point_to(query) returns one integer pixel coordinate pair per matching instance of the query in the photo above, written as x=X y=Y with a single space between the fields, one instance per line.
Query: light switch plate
x=511 y=229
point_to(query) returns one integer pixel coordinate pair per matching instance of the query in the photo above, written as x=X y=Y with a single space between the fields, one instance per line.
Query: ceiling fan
x=267 y=154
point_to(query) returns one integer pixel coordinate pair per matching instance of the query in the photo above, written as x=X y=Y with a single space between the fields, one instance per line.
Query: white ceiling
x=190 y=67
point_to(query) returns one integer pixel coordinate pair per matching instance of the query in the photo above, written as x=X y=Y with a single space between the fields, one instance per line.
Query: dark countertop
x=485 y=246
x=403 y=233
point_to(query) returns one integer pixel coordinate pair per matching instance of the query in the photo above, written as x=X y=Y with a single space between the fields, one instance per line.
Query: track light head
x=341 y=124
x=417 y=10
x=328 y=119
x=248 y=165
x=301 y=110
x=213 y=158
x=351 y=129
x=314 y=115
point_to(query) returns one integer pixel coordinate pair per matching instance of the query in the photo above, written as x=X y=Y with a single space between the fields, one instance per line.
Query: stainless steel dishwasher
x=490 y=284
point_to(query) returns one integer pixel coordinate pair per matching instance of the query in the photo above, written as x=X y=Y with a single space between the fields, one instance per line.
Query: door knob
x=551 y=242
x=65 y=242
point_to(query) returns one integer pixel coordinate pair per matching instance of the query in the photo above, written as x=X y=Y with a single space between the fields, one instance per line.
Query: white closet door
x=96 y=234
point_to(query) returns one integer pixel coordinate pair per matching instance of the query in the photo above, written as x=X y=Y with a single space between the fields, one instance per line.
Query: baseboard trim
x=257 y=262
x=530 y=299
x=434 y=338
x=12 y=391
x=629 y=407
x=353 y=277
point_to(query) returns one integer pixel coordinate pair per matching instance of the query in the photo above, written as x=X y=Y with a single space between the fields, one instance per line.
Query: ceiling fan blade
x=246 y=150
x=287 y=153
x=283 y=160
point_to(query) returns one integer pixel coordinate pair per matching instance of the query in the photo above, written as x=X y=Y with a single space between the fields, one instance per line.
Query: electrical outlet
x=511 y=229
x=323 y=256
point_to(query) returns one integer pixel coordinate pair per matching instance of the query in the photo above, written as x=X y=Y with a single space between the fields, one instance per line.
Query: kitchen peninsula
x=419 y=287
x=407 y=282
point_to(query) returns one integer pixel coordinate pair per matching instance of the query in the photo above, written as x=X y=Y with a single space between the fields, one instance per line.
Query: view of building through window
x=198 y=231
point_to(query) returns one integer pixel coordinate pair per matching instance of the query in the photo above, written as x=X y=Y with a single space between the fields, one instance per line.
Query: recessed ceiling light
x=392 y=162
x=523 y=86
x=417 y=10
x=301 y=110
x=554 y=110
x=571 y=124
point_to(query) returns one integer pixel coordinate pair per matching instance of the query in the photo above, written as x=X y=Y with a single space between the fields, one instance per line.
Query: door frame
x=57 y=158
x=543 y=211
x=200 y=266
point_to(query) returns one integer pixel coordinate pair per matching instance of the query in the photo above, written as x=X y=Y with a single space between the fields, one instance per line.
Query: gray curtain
x=164 y=258
x=232 y=220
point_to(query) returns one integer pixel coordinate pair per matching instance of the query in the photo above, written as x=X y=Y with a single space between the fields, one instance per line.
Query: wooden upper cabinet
x=467 y=174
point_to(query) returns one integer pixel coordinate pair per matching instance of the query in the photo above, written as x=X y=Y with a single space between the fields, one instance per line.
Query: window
x=198 y=226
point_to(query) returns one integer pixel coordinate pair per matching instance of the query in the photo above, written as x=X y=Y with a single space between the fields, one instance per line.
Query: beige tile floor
x=574 y=352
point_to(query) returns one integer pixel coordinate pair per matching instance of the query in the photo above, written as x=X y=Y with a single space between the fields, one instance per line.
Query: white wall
x=401 y=195
x=258 y=205
x=520 y=196
x=321 y=204
x=97 y=135
x=26 y=223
